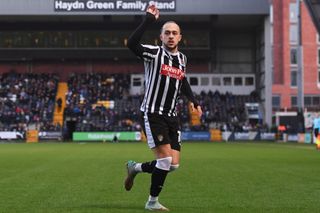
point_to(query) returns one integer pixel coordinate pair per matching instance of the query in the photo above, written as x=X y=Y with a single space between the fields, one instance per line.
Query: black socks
x=157 y=180
x=148 y=166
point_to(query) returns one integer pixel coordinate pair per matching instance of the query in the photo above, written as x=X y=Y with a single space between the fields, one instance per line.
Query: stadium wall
x=64 y=69
x=282 y=88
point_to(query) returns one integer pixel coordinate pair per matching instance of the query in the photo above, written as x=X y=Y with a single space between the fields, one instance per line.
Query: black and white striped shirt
x=164 y=72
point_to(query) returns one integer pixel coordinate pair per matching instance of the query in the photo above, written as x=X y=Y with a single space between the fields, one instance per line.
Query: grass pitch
x=213 y=177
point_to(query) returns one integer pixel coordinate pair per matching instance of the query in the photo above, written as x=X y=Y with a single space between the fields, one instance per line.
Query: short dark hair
x=168 y=22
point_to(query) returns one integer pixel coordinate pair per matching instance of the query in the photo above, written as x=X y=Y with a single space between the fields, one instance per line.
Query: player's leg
x=152 y=127
x=133 y=168
x=175 y=136
x=157 y=178
x=164 y=159
x=160 y=144
x=146 y=166
x=168 y=158
x=315 y=135
x=175 y=160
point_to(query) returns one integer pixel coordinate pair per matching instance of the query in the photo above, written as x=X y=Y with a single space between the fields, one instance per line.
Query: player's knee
x=164 y=163
x=174 y=167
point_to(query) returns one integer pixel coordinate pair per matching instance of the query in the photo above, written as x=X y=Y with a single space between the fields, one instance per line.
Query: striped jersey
x=164 y=72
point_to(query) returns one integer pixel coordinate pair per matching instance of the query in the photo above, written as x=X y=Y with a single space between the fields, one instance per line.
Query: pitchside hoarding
x=7 y=135
x=111 y=5
x=196 y=136
x=50 y=135
x=106 y=136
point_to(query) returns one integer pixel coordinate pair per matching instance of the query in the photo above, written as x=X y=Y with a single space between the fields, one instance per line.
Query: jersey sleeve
x=149 y=52
x=185 y=87
x=186 y=90
x=146 y=52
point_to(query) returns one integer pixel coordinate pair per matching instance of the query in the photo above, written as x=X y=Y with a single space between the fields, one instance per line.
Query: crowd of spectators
x=222 y=111
x=91 y=87
x=102 y=102
x=225 y=111
x=26 y=99
x=84 y=102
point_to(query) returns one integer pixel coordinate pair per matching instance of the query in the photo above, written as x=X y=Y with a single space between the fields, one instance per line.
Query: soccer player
x=316 y=127
x=165 y=69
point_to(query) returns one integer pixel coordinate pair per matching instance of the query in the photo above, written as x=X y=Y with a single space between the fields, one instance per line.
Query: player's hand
x=154 y=11
x=199 y=110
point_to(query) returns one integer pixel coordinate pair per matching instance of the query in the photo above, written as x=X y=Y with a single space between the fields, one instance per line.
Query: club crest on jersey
x=172 y=72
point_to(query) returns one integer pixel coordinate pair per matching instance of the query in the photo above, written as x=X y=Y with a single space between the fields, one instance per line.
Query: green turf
x=213 y=177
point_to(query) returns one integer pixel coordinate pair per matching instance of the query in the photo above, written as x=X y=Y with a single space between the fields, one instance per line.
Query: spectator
x=59 y=103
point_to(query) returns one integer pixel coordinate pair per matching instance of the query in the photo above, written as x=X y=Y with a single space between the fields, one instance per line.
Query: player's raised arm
x=154 y=11
x=152 y=14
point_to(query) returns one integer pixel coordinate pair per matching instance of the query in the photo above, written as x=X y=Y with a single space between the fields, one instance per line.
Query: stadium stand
x=26 y=100
x=101 y=102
